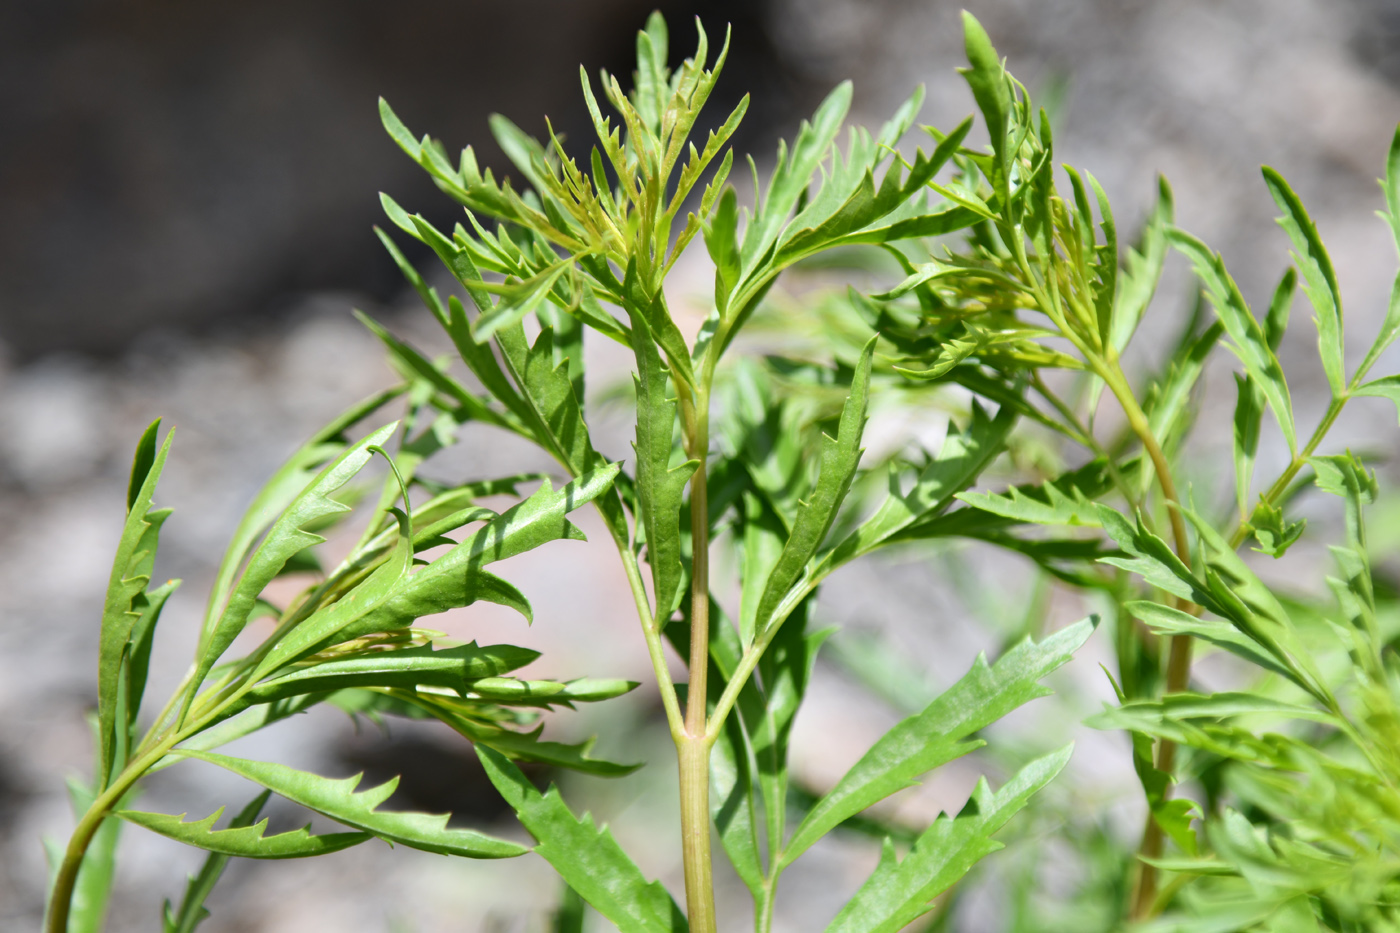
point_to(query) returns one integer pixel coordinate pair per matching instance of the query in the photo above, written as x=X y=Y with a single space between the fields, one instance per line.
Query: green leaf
x=1065 y=500
x=898 y=892
x=986 y=76
x=556 y=414
x=125 y=600
x=405 y=668
x=1142 y=270
x=588 y=859
x=1390 y=185
x=785 y=670
x=1274 y=534
x=242 y=841
x=1319 y=279
x=1164 y=620
x=192 y=911
x=284 y=539
x=1169 y=400
x=457 y=579
x=1149 y=556
x=334 y=622
x=964 y=455
x=279 y=491
x=1249 y=413
x=1250 y=342
x=791 y=177
x=523 y=299
x=941 y=733
x=1384 y=387
x=840 y=457
x=659 y=487
x=339 y=800
x=139 y=655
x=1276 y=321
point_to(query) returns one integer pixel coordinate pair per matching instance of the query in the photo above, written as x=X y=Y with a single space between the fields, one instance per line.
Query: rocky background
x=187 y=197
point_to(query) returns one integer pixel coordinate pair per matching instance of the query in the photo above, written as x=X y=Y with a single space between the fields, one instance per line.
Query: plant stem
x=693 y=753
x=65 y=879
x=693 y=748
x=1179 y=661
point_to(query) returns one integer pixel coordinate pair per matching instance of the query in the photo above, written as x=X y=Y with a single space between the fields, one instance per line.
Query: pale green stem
x=693 y=749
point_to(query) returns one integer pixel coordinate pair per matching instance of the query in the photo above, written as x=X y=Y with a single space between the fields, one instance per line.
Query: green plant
x=1028 y=310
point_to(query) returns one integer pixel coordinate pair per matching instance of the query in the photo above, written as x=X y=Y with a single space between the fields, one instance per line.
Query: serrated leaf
x=1250 y=342
x=339 y=800
x=1169 y=399
x=659 y=487
x=1319 y=279
x=941 y=733
x=343 y=619
x=1164 y=620
x=1274 y=534
x=245 y=841
x=588 y=859
x=124 y=601
x=1149 y=556
x=840 y=457
x=1142 y=269
x=284 y=486
x=900 y=891
x=964 y=455
x=792 y=175
x=1065 y=500
x=456 y=578
x=192 y=911
x=284 y=539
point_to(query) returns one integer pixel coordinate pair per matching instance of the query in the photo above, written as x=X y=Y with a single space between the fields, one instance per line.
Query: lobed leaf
x=588 y=859
x=900 y=891
x=242 y=841
x=1250 y=342
x=659 y=487
x=941 y=733
x=840 y=457
x=1319 y=278
x=192 y=911
x=284 y=539
x=339 y=800
x=125 y=600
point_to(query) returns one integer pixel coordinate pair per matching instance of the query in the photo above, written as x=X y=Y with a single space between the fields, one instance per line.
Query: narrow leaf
x=245 y=841
x=339 y=800
x=588 y=858
x=1319 y=279
x=941 y=733
x=901 y=891
x=840 y=457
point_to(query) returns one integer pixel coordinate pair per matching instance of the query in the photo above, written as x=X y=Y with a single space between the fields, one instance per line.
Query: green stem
x=61 y=896
x=693 y=754
x=693 y=747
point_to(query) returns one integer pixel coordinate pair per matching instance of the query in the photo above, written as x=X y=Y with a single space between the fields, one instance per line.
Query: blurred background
x=186 y=200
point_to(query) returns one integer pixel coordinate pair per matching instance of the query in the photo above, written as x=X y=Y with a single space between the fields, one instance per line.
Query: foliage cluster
x=1291 y=821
